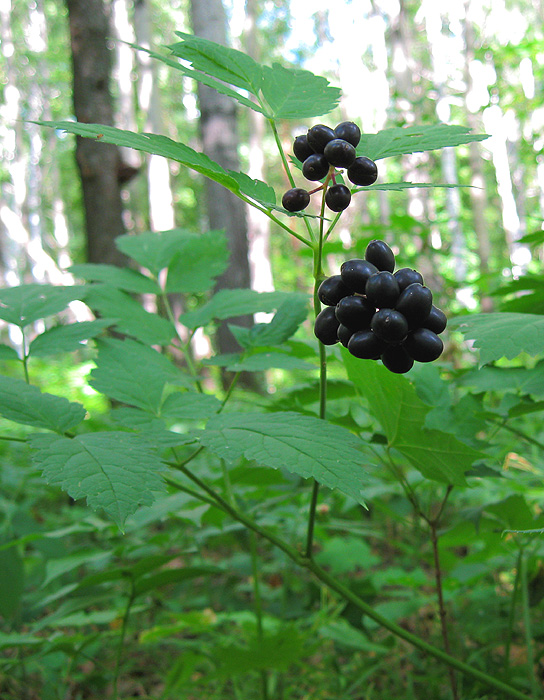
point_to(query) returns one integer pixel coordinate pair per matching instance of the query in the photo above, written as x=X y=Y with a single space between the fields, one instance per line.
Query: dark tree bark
x=218 y=127
x=100 y=165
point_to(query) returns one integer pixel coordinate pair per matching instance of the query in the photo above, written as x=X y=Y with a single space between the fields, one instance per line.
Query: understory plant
x=292 y=477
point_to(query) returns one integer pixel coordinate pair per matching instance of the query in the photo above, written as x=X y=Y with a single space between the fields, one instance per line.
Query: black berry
x=363 y=171
x=415 y=304
x=366 y=345
x=295 y=199
x=319 y=136
x=326 y=326
x=340 y=153
x=436 y=321
x=331 y=290
x=349 y=131
x=423 y=345
x=338 y=197
x=301 y=148
x=355 y=312
x=389 y=325
x=406 y=276
x=397 y=360
x=382 y=289
x=315 y=167
x=355 y=274
x=344 y=334
x=381 y=255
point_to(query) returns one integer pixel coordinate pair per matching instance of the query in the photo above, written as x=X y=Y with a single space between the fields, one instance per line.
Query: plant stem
x=441 y=607
x=318 y=274
x=515 y=431
x=185 y=345
x=527 y=625
x=346 y=593
x=25 y=356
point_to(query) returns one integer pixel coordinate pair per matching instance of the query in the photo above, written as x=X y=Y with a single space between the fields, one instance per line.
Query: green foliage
x=230 y=574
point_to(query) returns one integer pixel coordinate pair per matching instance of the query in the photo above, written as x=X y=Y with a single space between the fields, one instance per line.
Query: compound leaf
x=115 y=471
x=189 y=405
x=393 y=401
x=286 y=320
x=221 y=62
x=132 y=373
x=503 y=334
x=30 y=302
x=296 y=94
x=24 y=403
x=66 y=338
x=304 y=445
x=119 y=277
x=198 y=261
x=153 y=249
x=229 y=303
x=128 y=316
x=400 y=141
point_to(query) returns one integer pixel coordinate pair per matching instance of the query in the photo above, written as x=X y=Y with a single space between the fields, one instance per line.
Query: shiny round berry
x=326 y=326
x=406 y=276
x=436 y=321
x=382 y=289
x=366 y=345
x=339 y=153
x=389 y=325
x=415 y=304
x=315 y=167
x=397 y=360
x=338 y=198
x=355 y=274
x=344 y=334
x=423 y=345
x=331 y=290
x=349 y=131
x=355 y=312
x=295 y=199
x=363 y=171
x=301 y=148
x=381 y=255
x=319 y=136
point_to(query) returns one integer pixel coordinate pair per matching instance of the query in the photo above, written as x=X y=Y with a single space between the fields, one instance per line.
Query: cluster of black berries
x=380 y=315
x=321 y=149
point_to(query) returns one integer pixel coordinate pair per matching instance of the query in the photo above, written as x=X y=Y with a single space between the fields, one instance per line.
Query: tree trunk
x=218 y=128
x=99 y=164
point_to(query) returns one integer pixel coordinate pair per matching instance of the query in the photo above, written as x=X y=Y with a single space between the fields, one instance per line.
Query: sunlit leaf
x=27 y=303
x=66 y=338
x=118 y=277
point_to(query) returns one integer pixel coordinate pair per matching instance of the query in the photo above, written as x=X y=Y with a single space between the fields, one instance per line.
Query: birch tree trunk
x=99 y=163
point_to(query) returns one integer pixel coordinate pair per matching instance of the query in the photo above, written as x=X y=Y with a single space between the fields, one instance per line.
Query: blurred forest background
x=478 y=63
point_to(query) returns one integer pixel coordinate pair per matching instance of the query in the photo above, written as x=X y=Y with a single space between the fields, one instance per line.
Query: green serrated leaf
x=24 y=403
x=393 y=401
x=190 y=406
x=163 y=146
x=115 y=471
x=499 y=335
x=229 y=303
x=118 y=277
x=519 y=379
x=27 y=303
x=221 y=62
x=151 y=429
x=304 y=445
x=66 y=338
x=263 y=361
x=296 y=94
x=283 y=325
x=198 y=261
x=132 y=373
x=130 y=318
x=153 y=250
x=400 y=141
